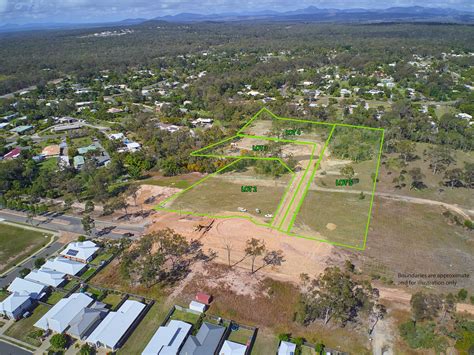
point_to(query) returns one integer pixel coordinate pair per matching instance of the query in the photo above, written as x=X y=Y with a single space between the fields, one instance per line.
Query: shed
x=203 y=298
x=197 y=307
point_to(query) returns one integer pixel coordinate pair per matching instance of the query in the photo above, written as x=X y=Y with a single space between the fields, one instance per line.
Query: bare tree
x=228 y=247
x=254 y=248
x=272 y=258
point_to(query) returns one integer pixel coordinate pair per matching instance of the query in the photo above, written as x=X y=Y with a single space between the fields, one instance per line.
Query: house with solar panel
x=82 y=252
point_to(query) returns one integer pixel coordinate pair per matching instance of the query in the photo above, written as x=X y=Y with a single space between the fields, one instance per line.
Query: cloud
x=22 y=11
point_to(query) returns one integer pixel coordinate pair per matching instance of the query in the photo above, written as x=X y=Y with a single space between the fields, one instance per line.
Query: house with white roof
x=59 y=317
x=80 y=251
x=232 y=348
x=15 y=305
x=168 y=339
x=64 y=265
x=32 y=289
x=115 y=326
x=286 y=348
x=47 y=277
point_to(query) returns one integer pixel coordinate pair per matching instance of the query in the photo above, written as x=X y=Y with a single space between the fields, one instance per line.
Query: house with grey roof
x=84 y=323
x=205 y=342
x=116 y=325
x=59 y=317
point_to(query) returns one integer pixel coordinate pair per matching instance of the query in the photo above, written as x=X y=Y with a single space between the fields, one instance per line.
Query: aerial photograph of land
x=237 y=178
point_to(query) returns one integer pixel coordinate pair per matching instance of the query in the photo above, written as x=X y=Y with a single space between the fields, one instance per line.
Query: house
x=84 y=150
x=26 y=287
x=59 y=317
x=232 y=348
x=64 y=265
x=345 y=92
x=67 y=127
x=4 y=125
x=168 y=339
x=133 y=146
x=15 y=305
x=115 y=325
x=197 y=306
x=203 y=298
x=286 y=348
x=80 y=251
x=51 y=151
x=84 y=323
x=47 y=277
x=114 y=110
x=12 y=154
x=116 y=136
x=21 y=129
x=205 y=342
x=78 y=162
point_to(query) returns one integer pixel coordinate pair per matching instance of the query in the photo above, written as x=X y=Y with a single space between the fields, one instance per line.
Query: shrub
x=58 y=341
x=284 y=337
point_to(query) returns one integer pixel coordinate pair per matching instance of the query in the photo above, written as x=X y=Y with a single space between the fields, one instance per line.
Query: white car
x=268 y=215
x=241 y=209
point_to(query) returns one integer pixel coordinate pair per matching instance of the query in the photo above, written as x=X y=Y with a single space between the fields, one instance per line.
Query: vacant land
x=333 y=216
x=16 y=243
x=406 y=238
x=222 y=195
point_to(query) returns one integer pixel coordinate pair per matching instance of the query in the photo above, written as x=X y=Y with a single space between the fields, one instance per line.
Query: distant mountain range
x=309 y=14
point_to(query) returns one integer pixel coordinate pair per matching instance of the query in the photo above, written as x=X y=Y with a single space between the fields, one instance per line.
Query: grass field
x=17 y=243
x=22 y=328
x=346 y=212
x=221 y=195
x=404 y=237
x=101 y=257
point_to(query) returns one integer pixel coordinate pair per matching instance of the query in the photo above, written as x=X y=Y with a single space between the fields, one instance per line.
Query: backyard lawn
x=54 y=297
x=22 y=329
x=88 y=273
x=112 y=299
x=145 y=330
x=17 y=243
x=184 y=316
x=241 y=336
x=101 y=257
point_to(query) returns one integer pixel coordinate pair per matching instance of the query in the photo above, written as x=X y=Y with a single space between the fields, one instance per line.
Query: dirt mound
x=331 y=226
x=149 y=196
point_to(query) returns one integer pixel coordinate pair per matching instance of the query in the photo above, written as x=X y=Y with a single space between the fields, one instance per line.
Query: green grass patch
x=241 y=336
x=88 y=273
x=23 y=329
x=95 y=292
x=145 y=330
x=49 y=164
x=101 y=257
x=17 y=243
x=112 y=299
x=3 y=294
x=70 y=285
x=54 y=297
x=185 y=316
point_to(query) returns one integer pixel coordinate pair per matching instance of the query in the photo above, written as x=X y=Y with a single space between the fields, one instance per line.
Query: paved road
x=73 y=224
x=7 y=349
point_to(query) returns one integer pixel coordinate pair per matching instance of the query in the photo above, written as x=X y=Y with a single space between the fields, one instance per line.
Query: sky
x=83 y=11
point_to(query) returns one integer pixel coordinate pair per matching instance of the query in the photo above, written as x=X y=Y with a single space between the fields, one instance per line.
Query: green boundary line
x=298 y=187
x=238 y=158
x=373 y=190
x=300 y=203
